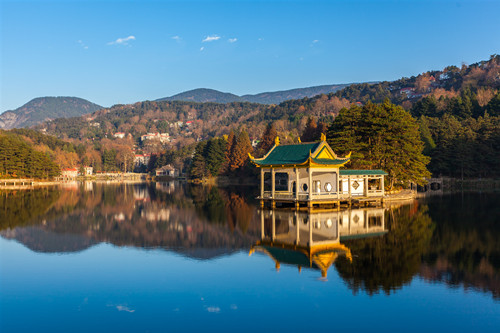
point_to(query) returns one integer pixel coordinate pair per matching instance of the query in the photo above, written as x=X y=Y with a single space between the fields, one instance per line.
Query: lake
x=169 y=257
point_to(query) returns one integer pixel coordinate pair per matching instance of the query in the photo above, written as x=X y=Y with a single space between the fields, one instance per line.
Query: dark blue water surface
x=169 y=257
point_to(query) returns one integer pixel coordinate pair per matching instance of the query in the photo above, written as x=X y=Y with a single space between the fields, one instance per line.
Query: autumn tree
x=125 y=158
x=310 y=132
x=239 y=152
x=267 y=141
x=231 y=139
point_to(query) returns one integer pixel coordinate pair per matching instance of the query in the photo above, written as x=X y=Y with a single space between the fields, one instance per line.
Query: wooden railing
x=283 y=195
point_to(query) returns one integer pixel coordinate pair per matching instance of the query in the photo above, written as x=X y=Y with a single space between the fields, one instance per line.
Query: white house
x=69 y=173
x=167 y=170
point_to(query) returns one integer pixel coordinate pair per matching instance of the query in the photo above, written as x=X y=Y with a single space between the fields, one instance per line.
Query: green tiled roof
x=290 y=257
x=351 y=172
x=289 y=154
x=332 y=162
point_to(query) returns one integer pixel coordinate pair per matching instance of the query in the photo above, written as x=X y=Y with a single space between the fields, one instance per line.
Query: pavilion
x=310 y=173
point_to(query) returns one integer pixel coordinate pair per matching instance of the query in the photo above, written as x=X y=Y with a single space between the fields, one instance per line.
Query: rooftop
x=308 y=153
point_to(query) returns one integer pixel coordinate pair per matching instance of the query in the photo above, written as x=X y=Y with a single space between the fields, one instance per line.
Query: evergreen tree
x=215 y=154
x=18 y=159
x=381 y=136
x=493 y=107
x=426 y=136
x=198 y=168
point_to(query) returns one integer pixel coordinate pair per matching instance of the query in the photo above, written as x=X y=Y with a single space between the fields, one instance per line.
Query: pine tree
x=215 y=154
x=198 y=166
x=381 y=136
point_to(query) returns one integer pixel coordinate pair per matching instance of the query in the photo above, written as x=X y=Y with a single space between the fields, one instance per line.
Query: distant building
x=69 y=172
x=409 y=92
x=167 y=170
x=119 y=135
x=177 y=124
x=162 y=137
x=444 y=76
x=88 y=171
x=141 y=159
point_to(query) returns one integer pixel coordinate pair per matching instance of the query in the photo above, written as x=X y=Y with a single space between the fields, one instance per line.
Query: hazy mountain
x=41 y=109
x=203 y=95
x=277 y=97
x=210 y=95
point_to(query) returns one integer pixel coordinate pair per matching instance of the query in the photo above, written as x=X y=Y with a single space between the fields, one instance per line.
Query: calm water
x=169 y=257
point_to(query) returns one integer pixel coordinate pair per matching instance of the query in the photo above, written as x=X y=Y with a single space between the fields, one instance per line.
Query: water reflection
x=452 y=240
x=313 y=238
x=200 y=222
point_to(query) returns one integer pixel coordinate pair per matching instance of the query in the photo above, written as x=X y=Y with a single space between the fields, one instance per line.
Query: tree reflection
x=21 y=208
x=387 y=263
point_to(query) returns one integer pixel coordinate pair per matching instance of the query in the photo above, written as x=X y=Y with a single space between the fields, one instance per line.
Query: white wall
x=354 y=192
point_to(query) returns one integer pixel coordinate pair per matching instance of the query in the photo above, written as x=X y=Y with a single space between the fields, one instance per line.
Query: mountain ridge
x=204 y=95
x=41 y=109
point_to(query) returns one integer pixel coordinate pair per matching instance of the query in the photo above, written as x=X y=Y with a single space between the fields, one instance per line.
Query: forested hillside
x=457 y=110
x=19 y=159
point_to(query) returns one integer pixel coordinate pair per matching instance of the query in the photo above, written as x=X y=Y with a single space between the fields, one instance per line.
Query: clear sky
x=113 y=52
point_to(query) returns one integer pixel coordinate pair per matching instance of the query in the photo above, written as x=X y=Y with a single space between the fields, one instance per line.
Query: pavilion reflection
x=313 y=238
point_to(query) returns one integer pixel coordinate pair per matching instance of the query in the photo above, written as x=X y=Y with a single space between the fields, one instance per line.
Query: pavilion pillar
x=273 y=185
x=365 y=184
x=310 y=231
x=309 y=171
x=262 y=234
x=297 y=184
x=349 y=186
x=261 y=183
x=297 y=225
x=382 y=185
x=273 y=232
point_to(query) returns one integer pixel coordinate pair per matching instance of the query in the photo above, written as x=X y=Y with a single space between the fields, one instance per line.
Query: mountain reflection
x=161 y=215
x=453 y=239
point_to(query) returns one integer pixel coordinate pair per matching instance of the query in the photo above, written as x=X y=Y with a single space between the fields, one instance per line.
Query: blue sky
x=113 y=52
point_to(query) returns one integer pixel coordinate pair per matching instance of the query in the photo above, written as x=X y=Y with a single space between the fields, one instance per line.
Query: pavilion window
x=267 y=181
x=281 y=181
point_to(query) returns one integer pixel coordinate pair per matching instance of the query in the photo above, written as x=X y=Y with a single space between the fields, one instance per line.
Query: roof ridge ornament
x=348 y=155
x=323 y=137
x=277 y=140
x=298 y=139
